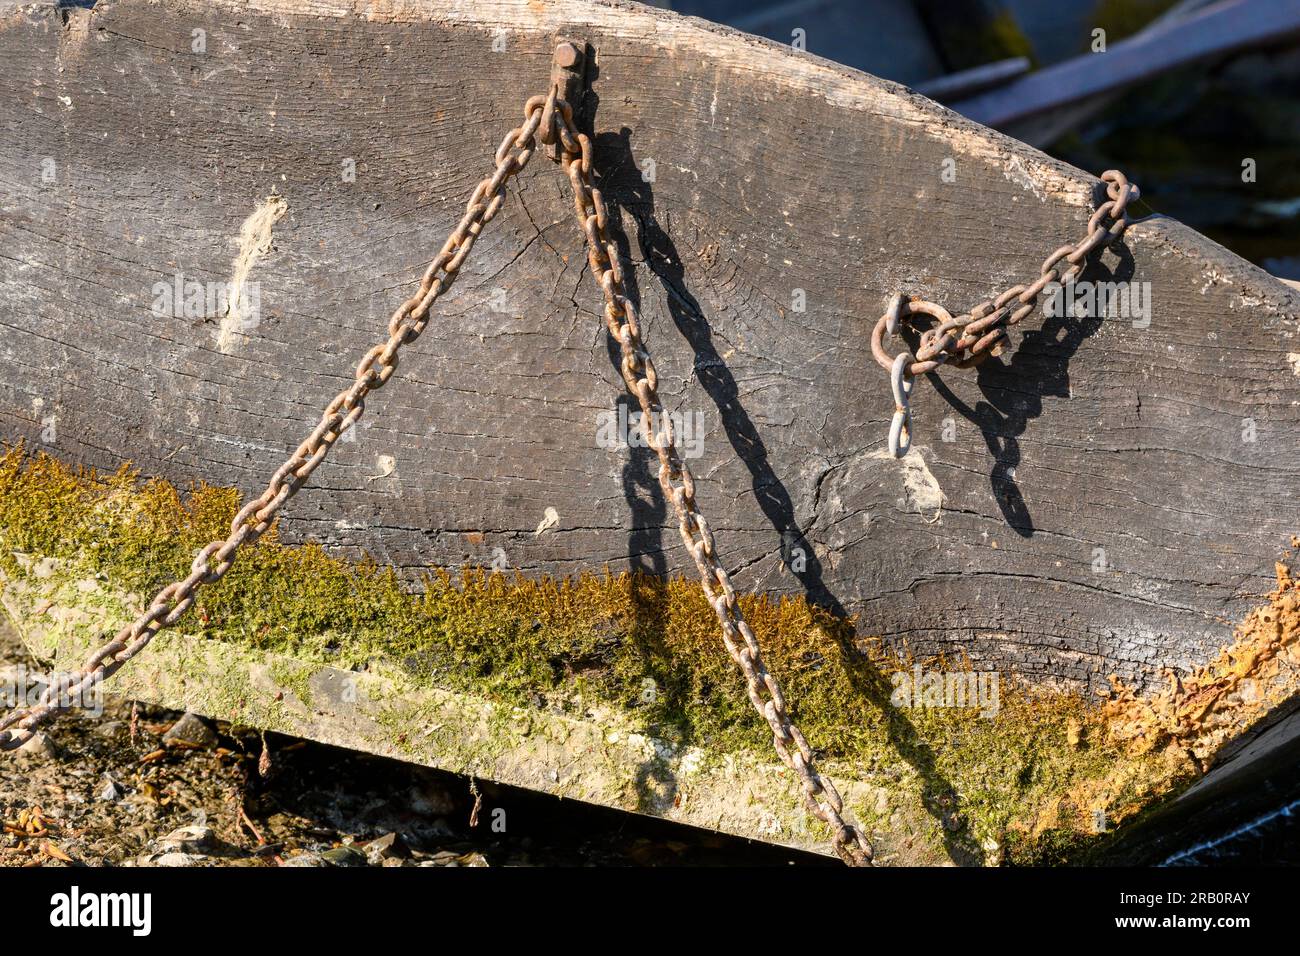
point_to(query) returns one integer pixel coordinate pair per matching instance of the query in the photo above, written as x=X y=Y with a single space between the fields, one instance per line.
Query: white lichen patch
x=921 y=491
x=1015 y=171
x=550 y=518
x=254 y=243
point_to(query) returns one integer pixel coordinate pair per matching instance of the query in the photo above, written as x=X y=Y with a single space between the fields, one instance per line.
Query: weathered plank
x=129 y=158
x=601 y=758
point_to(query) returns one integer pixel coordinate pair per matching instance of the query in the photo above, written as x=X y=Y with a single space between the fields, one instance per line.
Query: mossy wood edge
x=601 y=761
x=543 y=684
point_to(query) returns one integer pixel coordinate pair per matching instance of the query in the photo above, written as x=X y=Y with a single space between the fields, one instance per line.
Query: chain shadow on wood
x=645 y=545
x=626 y=190
x=1014 y=388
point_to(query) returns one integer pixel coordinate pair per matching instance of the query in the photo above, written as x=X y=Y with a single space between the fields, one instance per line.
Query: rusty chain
x=820 y=795
x=962 y=342
x=253 y=520
x=970 y=338
x=549 y=119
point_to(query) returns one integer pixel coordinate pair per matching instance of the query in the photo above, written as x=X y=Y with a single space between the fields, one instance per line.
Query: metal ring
x=893 y=313
x=900 y=434
x=899 y=382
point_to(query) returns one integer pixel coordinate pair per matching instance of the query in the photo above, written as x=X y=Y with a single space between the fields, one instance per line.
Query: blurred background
x=1180 y=94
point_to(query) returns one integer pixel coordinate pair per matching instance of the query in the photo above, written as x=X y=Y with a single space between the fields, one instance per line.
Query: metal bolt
x=567 y=55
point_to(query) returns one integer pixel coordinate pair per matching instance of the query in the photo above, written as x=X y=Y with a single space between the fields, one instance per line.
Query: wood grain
x=774 y=171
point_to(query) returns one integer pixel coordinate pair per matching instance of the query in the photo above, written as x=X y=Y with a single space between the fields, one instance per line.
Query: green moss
x=295 y=676
x=648 y=648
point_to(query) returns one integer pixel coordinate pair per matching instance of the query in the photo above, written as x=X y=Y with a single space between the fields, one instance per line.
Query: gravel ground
x=132 y=788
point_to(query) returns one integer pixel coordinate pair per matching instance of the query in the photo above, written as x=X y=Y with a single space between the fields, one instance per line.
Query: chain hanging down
x=255 y=518
x=820 y=795
x=969 y=339
x=548 y=119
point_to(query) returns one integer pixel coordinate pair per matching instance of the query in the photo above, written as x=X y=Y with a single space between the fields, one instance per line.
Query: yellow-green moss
x=647 y=647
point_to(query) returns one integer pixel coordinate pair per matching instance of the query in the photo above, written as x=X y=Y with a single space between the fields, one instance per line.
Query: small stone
x=191 y=729
x=304 y=859
x=194 y=838
x=39 y=746
x=111 y=791
x=344 y=856
x=387 y=847
x=176 y=859
x=110 y=728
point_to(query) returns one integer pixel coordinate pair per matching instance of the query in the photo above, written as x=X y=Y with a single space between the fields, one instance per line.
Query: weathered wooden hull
x=1113 y=496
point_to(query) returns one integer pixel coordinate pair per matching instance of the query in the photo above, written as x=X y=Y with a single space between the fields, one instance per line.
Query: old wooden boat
x=1087 y=527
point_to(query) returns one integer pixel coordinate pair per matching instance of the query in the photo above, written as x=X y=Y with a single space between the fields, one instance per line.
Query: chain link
x=637 y=367
x=373 y=372
x=549 y=119
x=969 y=339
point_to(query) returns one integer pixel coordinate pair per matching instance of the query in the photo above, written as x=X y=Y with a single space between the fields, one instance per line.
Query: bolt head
x=567 y=55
